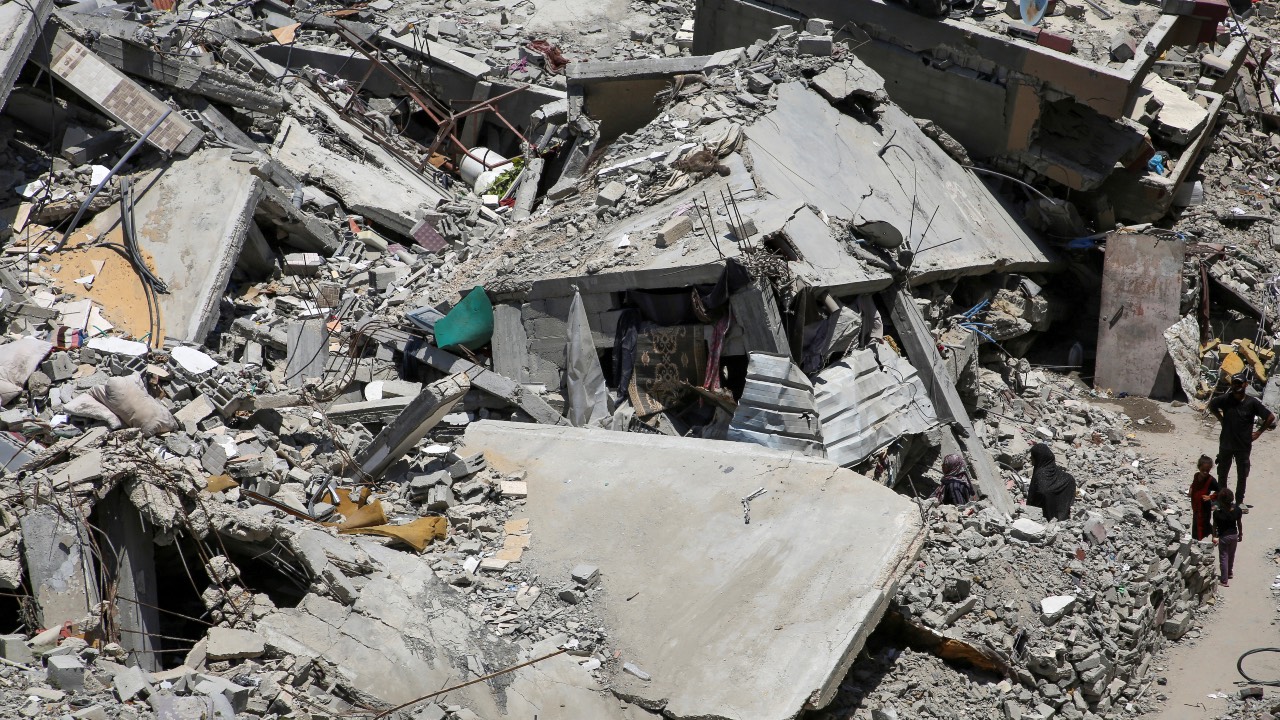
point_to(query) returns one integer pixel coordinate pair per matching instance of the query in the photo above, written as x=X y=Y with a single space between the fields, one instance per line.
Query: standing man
x=1238 y=414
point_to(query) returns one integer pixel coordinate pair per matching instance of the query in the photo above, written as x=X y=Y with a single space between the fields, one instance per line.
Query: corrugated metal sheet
x=777 y=408
x=864 y=404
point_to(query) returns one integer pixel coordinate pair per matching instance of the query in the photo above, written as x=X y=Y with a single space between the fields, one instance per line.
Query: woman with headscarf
x=956 y=489
x=1052 y=488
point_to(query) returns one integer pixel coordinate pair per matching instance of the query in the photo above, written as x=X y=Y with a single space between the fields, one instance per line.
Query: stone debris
x=274 y=274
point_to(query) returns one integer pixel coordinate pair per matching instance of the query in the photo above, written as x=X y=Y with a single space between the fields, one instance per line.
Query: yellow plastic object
x=1250 y=353
x=218 y=483
x=1232 y=364
x=417 y=534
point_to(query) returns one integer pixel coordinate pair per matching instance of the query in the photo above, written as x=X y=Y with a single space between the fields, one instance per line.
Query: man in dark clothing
x=1238 y=414
x=1052 y=489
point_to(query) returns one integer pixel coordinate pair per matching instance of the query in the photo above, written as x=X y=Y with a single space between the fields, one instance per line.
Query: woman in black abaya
x=1052 y=488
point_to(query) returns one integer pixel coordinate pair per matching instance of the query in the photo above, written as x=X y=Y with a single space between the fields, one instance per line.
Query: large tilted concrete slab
x=19 y=30
x=409 y=634
x=732 y=620
x=874 y=173
x=192 y=216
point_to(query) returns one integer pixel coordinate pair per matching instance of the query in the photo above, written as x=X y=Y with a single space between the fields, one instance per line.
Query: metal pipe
x=110 y=174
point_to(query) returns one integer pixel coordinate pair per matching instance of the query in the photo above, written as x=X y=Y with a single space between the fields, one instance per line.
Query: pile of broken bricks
x=1071 y=612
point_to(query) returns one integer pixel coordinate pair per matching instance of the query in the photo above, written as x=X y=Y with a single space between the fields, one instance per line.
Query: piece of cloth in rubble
x=1052 y=489
x=624 y=348
x=585 y=388
x=667 y=308
x=83 y=405
x=711 y=380
x=955 y=489
x=668 y=362
x=554 y=60
x=127 y=397
x=18 y=360
x=830 y=336
x=733 y=278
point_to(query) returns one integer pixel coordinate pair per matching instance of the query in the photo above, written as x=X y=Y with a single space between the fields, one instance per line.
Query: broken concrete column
x=432 y=404
x=510 y=343
x=58 y=566
x=757 y=311
x=308 y=351
x=527 y=191
x=129 y=564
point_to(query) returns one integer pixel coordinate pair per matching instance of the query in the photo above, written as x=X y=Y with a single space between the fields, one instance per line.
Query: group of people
x=1217 y=512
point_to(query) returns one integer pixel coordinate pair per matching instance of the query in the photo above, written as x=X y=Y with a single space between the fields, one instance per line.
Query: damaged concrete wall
x=1141 y=298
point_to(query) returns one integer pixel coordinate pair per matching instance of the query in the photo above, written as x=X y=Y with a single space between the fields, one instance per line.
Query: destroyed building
x=393 y=360
x=1082 y=97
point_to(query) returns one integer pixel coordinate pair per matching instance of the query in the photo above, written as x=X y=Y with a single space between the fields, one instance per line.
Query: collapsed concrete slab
x=829 y=545
x=107 y=89
x=192 y=216
x=384 y=190
x=20 y=25
x=409 y=634
x=900 y=172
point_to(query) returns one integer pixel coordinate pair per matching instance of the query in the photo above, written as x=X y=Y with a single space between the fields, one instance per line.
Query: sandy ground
x=1244 y=617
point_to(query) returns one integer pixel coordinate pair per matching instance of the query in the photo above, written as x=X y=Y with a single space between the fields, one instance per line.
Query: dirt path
x=1245 y=614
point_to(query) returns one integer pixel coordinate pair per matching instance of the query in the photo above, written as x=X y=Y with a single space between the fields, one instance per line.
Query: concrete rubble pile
x=1053 y=619
x=406 y=360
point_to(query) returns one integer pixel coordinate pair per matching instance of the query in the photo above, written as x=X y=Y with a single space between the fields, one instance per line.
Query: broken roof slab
x=890 y=172
x=20 y=25
x=192 y=217
x=383 y=189
x=408 y=634
x=823 y=262
x=754 y=620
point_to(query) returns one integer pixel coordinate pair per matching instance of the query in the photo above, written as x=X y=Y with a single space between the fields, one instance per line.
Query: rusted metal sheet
x=1141 y=295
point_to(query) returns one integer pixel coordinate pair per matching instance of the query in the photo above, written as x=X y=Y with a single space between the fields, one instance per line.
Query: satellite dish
x=1033 y=10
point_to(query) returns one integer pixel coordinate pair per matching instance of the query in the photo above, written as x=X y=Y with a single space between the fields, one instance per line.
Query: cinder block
x=65 y=672
x=818 y=26
x=1023 y=31
x=610 y=194
x=816 y=45
x=1054 y=41
x=673 y=230
x=1123 y=47
x=303 y=264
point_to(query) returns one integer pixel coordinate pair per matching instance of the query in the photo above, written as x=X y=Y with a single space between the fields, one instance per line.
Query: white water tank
x=474 y=172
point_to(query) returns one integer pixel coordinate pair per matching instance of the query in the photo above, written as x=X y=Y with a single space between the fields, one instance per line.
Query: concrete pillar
x=59 y=569
x=128 y=560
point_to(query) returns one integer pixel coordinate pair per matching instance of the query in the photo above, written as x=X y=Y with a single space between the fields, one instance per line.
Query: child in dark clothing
x=1228 y=530
x=1204 y=488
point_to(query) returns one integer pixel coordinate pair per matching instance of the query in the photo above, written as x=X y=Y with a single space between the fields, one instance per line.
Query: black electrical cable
x=1240 y=666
